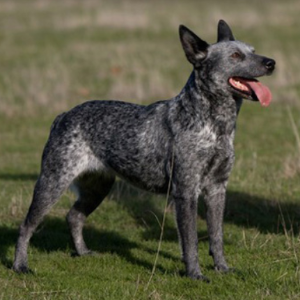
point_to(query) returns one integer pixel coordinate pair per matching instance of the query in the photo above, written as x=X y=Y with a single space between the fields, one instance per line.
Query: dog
x=185 y=142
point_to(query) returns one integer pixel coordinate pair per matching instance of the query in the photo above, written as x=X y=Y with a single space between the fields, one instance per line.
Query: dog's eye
x=236 y=55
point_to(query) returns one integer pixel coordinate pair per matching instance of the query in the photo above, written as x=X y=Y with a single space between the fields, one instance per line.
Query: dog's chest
x=207 y=154
x=206 y=142
x=217 y=160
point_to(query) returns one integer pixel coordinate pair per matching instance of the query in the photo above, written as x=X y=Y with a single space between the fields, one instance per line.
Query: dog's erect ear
x=195 y=49
x=224 y=32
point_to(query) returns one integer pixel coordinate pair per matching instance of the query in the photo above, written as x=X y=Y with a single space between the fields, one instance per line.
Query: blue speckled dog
x=98 y=140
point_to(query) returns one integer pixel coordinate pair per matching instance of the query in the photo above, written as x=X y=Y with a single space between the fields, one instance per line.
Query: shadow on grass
x=54 y=235
x=242 y=209
x=18 y=177
x=268 y=216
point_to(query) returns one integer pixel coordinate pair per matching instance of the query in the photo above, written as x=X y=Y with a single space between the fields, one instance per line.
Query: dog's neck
x=210 y=106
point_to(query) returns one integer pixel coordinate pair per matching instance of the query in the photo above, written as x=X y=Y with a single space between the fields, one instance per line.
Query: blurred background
x=56 y=54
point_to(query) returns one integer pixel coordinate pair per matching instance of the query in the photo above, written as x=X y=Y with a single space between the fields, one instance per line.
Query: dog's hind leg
x=91 y=188
x=62 y=162
x=47 y=191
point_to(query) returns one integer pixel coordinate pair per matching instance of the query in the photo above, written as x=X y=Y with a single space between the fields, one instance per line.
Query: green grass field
x=57 y=54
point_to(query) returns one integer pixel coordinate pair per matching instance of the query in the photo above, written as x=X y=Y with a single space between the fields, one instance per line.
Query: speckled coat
x=187 y=141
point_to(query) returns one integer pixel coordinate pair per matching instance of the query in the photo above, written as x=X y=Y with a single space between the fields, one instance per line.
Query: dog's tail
x=57 y=121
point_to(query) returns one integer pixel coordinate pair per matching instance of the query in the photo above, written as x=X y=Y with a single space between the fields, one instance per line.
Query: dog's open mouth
x=251 y=89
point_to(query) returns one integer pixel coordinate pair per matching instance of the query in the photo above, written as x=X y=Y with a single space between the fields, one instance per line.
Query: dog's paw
x=83 y=253
x=223 y=269
x=21 y=269
x=89 y=253
x=203 y=278
x=199 y=277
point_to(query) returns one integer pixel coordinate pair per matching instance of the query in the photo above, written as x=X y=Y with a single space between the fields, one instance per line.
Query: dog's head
x=231 y=66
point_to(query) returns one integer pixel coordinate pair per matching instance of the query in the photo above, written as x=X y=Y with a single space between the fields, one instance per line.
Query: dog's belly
x=158 y=185
x=148 y=174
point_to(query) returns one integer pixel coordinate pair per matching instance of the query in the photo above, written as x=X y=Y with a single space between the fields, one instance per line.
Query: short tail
x=57 y=121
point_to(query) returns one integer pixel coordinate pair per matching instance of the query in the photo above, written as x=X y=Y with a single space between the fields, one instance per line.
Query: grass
x=55 y=55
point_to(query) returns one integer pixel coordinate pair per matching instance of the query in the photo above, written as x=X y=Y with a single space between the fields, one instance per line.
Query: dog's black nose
x=269 y=64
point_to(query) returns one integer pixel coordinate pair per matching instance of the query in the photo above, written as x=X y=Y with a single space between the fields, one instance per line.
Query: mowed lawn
x=57 y=54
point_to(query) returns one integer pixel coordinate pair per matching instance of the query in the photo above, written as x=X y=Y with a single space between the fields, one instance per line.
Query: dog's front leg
x=215 y=203
x=186 y=216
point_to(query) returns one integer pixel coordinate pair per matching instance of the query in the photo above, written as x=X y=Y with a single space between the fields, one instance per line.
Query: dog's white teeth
x=240 y=85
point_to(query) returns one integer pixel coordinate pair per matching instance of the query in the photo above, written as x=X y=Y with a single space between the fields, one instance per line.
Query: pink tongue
x=262 y=92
